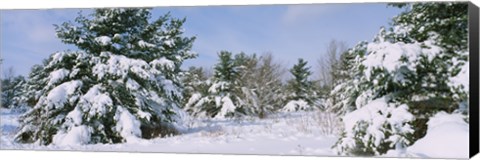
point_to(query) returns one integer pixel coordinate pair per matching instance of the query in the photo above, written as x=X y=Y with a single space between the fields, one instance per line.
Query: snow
x=376 y=114
x=193 y=99
x=227 y=107
x=296 y=105
x=127 y=125
x=298 y=133
x=103 y=40
x=169 y=42
x=95 y=101
x=60 y=94
x=78 y=135
x=119 y=65
x=163 y=62
x=217 y=87
x=144 y=44
x=448 y=133
x=57 y=76
x=462 y=78
x=75 y=116
x=387 y=55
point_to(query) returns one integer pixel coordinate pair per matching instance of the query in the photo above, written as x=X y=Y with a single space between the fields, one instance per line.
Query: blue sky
x=288 y=32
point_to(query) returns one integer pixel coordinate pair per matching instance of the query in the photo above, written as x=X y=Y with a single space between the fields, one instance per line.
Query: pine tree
x=12 y=89
x=341 y=99
x=301 y=91
x=407 y=73
x=223 y=98
x=120 y=85
x=196 y=86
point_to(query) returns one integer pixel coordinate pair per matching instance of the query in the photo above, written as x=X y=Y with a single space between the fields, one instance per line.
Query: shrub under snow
x=375 y=128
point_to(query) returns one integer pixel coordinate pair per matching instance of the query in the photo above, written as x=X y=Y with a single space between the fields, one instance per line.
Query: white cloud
x=301 y=13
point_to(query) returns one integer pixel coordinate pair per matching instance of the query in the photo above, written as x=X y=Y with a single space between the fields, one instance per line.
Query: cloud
x=295 y=14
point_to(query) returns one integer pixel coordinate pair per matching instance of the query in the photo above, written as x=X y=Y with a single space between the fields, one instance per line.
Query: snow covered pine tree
x=223 y=99
x=407 y=75
x=301 y=92
x=120 y=86
x=12 y=89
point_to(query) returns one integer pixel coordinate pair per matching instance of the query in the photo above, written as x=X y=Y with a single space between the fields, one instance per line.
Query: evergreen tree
x=122 y=83
x=408 y=73
x=12 y=89
x=341 y=99
x=301 y=91
x=223 y=98
x=196 y=86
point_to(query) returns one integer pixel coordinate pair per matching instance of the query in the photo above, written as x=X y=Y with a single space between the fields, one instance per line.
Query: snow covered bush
x=375 y=128
x=416 y=65
x=261 y=85
x=123 y=79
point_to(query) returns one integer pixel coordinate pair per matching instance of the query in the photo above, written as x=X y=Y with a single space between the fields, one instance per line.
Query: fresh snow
x=299 y=133
x=447 y=137
x=227 y=107
x=144 y=44
x=96 y=101
x=377 y=114
x=127 y=125
x=103 y=40
x=58 y=75
x=61 y=94
x=77 y=135
x=387 y=55
x=296 y=105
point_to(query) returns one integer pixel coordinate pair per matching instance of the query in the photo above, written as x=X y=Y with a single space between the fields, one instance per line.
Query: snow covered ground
x=302 y=133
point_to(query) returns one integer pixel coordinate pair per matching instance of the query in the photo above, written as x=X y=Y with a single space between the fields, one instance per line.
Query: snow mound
x=296 y=105
x=127 y=125
x=447 y=137
x=79 y=135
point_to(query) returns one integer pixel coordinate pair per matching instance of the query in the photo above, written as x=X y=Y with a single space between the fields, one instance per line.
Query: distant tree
x=196 y=86
x=301 y=91
x=223 y=99
x=330 y=64
x=262 y=85
x=12 y=89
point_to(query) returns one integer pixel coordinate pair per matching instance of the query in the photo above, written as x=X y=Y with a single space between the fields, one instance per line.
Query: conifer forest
x=126 y=88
